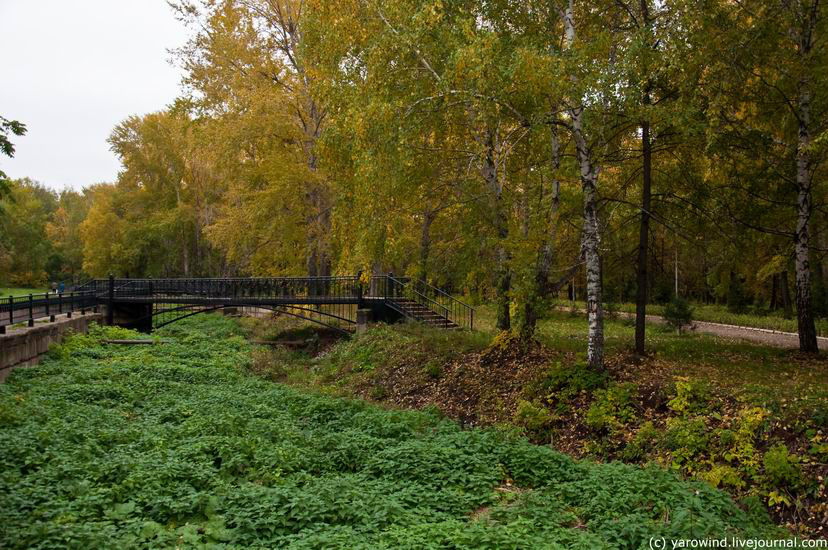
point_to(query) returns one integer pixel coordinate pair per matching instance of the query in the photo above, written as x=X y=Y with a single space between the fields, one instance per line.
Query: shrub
x=678 y=313
x=433 y=369
x=742 y=453
x=691 y=396
x=565 y=382
x=533 y=417
x=782 y=467
x=612 y=408
x=722 y=475
x=644 y=440
x=687 y=439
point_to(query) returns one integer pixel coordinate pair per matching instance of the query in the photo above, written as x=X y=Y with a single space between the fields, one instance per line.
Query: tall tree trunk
x=641 y=296
x=503 y=276
x=540 y=282
x=590 y=245
x=646 y=193
x=590 y=238
x=312 y=259
x=804 y=310
x=774 y=293
x=322 y=237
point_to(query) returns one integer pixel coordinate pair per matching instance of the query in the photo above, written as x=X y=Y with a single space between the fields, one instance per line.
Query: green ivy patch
x=178 y=445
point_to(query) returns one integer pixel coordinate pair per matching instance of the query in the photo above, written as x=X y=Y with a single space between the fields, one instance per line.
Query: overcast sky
x=71 y=70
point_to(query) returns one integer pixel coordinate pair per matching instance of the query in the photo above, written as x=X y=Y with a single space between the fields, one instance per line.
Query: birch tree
x=777 y=103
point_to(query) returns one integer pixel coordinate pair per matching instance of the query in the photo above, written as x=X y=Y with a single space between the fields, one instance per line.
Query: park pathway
x=759 y=335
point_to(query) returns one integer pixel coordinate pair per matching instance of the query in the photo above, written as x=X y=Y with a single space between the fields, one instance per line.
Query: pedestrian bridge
x=340 y=302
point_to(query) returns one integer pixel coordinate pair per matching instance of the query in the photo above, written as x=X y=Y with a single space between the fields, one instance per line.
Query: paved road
x=760 y=335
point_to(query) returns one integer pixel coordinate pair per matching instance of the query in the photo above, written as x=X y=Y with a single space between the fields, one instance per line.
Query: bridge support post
x=363 y=318
x=360 y=292
x=110 y=301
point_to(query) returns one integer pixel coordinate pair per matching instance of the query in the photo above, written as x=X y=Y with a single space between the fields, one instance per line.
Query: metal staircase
x=419 y=301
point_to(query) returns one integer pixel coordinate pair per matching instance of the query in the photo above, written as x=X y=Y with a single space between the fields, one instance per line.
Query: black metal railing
x=450 y=310
x=27 y=309
x=337 y=297
x=305 y=289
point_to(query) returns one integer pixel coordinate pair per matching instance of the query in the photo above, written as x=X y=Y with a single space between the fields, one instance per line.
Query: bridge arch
x=190 y=310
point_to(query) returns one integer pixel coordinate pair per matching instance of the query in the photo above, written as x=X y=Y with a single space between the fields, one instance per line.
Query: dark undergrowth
x=178 y=445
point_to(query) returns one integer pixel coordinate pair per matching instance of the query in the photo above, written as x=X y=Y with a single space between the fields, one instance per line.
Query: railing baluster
x=31 y=310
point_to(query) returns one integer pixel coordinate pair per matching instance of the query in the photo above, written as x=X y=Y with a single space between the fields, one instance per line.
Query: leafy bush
x=534 y=417
x=179 y=446
x=645 y=440
x=690 y=396
x=678 y=313
x=749 y=424
x=782 y=467
x=687 y=439
x=563 y=382
x=433 y=369
x=722 y=475
x=612 y=408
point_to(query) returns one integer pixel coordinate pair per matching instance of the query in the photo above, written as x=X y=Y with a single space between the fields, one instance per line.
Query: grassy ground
x=773 y=320
x=747 y=418
x=5 y=292
x=733 y=364
x=177 y=445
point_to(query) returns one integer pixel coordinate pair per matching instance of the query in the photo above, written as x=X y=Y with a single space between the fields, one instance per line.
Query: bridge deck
x=336 y=298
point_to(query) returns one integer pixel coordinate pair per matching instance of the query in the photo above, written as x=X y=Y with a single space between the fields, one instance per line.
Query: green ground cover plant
x=706 y=408
x=178 y=445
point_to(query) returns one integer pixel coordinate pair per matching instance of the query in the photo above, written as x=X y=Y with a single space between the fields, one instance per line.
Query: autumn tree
x=770 y=101
x=246 y=68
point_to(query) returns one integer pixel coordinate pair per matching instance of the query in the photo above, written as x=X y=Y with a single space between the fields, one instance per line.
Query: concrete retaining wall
x=23 y=346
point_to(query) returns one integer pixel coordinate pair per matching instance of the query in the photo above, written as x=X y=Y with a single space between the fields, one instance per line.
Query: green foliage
x=433 y=369
x=722 y=475
x=534 y=417
x=691 y=397
x=564 y=382
x=737 y=300
x=678 y=313
x=782 y=467
x=38 y=234
x=14 y=128
x=612 y=408
x=645 y=440
x=391 y=346
x=687 y=439
x=176 y=445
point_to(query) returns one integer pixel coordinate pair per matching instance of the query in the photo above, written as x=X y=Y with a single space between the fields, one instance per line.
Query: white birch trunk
x=590 y=238
x=804 y=309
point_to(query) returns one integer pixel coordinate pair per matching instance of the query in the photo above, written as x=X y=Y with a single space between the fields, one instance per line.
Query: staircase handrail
x=405 y=282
